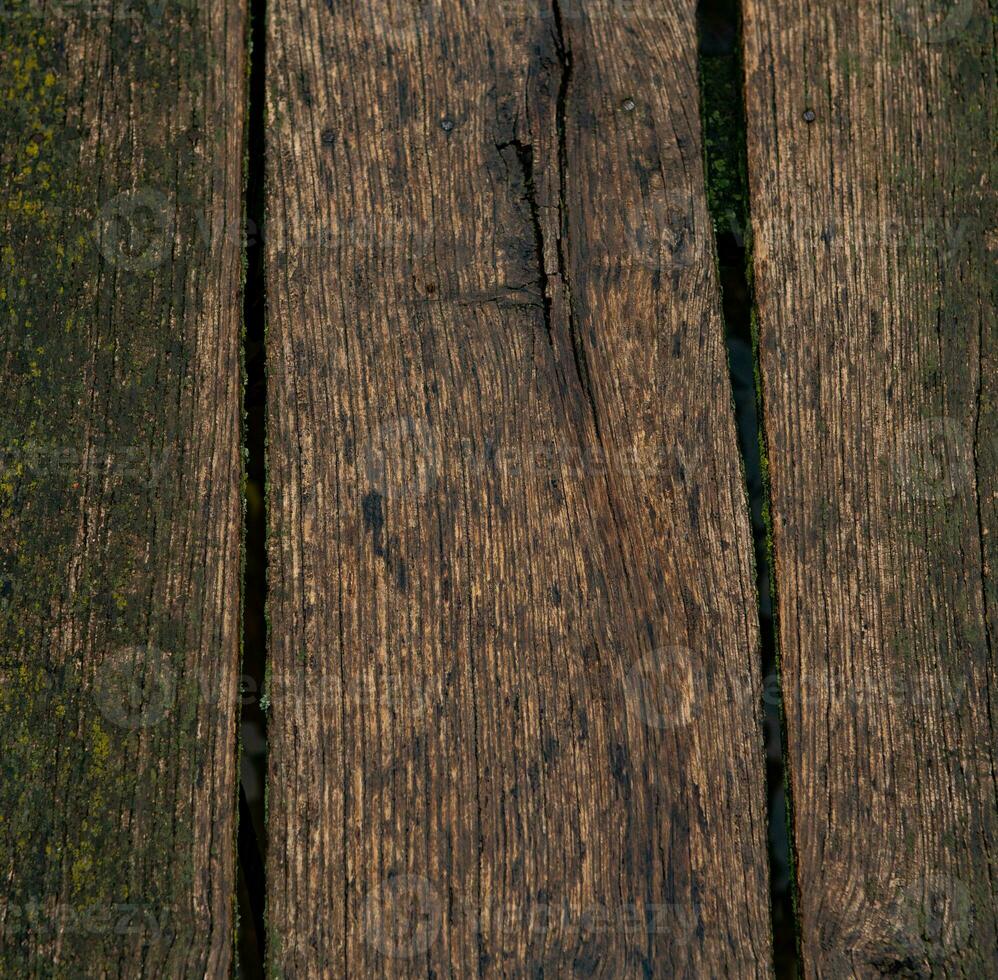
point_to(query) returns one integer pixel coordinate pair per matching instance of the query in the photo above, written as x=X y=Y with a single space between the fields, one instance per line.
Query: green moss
x=724 y=140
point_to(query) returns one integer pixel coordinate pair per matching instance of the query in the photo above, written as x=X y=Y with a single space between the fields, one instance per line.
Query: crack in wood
x=579 y=357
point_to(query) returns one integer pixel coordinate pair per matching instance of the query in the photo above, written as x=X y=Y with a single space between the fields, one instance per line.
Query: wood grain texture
x=871 y=157
x=120 y=187
x=515 y=706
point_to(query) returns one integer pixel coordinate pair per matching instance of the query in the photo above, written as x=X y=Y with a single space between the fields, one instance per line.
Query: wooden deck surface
x=515 y=655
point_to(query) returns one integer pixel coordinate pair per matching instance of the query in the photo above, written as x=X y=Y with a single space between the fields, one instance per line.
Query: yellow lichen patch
x=100 y=745
x=80 y=871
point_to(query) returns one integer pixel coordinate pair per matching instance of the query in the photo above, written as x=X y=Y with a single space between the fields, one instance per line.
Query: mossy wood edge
x=121 y=170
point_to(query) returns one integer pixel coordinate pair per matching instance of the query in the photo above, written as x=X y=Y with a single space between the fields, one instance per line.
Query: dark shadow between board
x=723 y=125
x=252 y=841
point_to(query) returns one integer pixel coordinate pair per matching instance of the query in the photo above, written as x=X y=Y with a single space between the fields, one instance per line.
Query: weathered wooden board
x=871 y=157
x=121 y=155
x=515 y=720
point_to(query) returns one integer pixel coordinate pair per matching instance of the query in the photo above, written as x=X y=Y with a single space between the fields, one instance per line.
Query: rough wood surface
x=515 y=706
x=871 y=135
x=120 y=505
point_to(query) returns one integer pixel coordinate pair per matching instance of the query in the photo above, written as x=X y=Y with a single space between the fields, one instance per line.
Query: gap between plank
x=252 y=843
x=724 y=141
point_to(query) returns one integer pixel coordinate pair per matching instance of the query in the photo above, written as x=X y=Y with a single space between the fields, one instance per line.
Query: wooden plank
x=120 y=394
x=515 y=721
x=870 y=131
